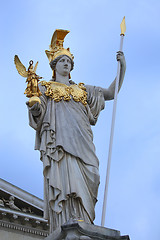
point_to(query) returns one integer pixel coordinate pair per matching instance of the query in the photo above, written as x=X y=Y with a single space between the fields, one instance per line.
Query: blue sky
x=26 y=30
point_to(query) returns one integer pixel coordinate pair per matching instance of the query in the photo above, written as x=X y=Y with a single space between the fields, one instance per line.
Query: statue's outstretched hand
x=121 y=58
x=35 y=109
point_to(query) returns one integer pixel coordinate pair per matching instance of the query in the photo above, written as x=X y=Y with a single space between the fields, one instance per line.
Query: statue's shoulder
x=44 y=83
x=81 y=85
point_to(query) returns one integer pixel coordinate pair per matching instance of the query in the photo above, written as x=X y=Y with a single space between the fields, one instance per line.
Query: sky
x=133 y=204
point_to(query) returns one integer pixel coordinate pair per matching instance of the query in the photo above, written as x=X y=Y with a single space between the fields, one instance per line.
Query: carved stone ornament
x=20 y=213
x=10 y=203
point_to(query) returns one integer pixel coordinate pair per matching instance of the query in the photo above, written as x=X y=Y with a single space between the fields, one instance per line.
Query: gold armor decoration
x=32 y=91
x=56 y=46
x=59 y=91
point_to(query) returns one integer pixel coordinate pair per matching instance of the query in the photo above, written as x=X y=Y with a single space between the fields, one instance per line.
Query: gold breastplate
x=59 y=91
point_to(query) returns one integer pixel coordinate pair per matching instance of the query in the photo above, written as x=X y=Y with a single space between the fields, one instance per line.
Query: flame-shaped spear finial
x=123 y=27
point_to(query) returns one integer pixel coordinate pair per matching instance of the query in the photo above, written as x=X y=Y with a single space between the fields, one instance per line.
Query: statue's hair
x=54 y=62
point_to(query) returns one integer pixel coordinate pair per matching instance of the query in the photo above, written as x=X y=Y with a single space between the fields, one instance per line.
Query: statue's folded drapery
x=70 y=166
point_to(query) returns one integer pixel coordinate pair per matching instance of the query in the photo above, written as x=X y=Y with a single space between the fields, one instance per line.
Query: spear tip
x=123 y=26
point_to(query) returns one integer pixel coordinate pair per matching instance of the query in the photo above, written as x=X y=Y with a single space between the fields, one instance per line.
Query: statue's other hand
x=121 y=58
x=35 y=109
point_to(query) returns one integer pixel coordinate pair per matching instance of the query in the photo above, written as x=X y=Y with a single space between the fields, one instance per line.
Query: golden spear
x=123 y=29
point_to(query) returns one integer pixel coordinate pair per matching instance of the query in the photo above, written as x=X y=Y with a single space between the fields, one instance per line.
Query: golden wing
x=35 y=67
x=20 y=67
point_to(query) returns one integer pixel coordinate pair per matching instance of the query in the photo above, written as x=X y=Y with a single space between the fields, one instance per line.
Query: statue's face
x=63 y=66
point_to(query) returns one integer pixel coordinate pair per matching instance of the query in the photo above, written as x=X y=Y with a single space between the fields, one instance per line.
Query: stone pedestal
x=76 y=230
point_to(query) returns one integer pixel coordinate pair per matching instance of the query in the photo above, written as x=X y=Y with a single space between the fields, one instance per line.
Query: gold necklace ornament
x=59 y=91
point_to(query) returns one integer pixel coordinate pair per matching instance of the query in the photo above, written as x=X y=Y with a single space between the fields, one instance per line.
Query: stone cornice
x=25 y=229
x=21 y=211
x=23 y=221
x=5 y=211
x=21 y=194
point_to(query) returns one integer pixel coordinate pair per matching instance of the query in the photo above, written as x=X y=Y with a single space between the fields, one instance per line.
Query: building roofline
x=21 y=194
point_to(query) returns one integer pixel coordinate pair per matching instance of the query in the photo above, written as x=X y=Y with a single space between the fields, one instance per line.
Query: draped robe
x=70 y=165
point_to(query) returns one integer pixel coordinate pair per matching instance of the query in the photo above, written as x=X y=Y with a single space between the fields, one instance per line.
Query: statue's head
x=30 y=68
x=11 y=198
x=63 y=64
x=59 y=56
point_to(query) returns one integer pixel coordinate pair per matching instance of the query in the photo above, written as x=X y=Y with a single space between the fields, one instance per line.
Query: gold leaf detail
x=60 y=91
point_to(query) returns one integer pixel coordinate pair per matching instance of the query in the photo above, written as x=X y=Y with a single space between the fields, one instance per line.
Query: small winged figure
x=32 y=91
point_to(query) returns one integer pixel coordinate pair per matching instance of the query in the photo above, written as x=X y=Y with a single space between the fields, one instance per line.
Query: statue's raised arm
x=109 y=92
